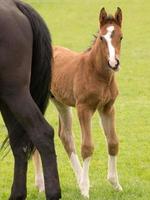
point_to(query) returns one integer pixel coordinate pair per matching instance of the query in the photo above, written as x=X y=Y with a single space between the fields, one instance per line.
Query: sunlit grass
x=72 y=24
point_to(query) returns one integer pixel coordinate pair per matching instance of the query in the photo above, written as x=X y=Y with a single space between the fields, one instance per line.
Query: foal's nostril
x=114 y=65
x=118 y=63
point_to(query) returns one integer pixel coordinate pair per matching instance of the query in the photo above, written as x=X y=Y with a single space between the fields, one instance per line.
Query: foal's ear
x=102 y=16
x=118 y=16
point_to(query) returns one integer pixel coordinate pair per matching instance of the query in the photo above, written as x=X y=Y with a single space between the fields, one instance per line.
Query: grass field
x=72 y=24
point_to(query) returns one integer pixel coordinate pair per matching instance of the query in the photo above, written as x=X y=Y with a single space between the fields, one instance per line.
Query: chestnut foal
x=87 y=81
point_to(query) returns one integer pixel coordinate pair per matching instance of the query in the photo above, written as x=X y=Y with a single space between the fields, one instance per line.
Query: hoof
x=118 y=188
x=39 y=183
x=17 y=197
x=54 y=197
x=115 y=184
x=84 y=189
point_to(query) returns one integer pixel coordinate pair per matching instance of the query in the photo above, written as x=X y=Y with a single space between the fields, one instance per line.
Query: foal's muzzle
x=114 y=65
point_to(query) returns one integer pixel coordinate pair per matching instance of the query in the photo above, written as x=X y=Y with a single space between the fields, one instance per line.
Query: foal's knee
x=113 y=147
x=87 y=150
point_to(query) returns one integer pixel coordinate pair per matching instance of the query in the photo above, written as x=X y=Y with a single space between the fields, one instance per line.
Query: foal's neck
x=100 y=64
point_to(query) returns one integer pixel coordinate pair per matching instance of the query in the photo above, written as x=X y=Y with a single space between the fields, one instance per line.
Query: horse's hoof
x=39 y=183
x=41 y=189
x=54 y=197
x=115 y=184
x=16 y=197
x=85 y=194
x=84 y=188
x=118 y=188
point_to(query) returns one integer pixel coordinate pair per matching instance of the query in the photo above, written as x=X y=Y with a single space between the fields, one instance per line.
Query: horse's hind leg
x=18 y=141
x=40 y=133
x=108 y=122
x=66 y=136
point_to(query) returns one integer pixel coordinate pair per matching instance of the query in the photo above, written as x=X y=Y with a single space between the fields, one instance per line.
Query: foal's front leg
x=85 y=114
x=108 y=122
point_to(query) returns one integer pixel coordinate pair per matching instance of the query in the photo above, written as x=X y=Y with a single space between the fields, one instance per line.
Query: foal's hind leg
x=65 y=134
x=108 y=122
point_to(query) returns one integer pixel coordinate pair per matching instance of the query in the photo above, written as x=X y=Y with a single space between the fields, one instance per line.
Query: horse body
x=12 y=48
x=87 y=81
x=25 y=60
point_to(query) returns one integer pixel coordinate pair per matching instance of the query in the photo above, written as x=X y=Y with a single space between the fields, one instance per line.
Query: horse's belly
x=62 y=86
x=63 y=96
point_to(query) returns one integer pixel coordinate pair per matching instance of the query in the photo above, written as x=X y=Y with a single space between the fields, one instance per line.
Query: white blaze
x=111 y=49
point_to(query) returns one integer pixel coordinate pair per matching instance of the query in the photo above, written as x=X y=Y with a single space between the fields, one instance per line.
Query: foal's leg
x=108 y=122
x=39 y=178
x=65 y=134
x=18 y=141
x=85 y=115
x=40 y=133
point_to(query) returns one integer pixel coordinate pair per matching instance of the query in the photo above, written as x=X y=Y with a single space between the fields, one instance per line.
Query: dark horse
x=24 y=86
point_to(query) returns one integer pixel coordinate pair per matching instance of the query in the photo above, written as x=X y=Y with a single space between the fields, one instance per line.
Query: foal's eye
x=121 y=38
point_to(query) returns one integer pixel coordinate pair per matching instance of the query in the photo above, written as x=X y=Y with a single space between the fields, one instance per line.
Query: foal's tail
x=42 y=56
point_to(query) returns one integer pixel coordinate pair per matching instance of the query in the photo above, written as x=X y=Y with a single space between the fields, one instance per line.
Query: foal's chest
x=107 y=93
x=97 y=95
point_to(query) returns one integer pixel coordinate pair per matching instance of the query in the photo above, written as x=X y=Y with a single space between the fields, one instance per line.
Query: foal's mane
x=109 y=20
x=93 y=41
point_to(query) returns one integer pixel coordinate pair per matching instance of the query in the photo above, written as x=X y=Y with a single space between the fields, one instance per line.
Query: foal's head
x=110 y=37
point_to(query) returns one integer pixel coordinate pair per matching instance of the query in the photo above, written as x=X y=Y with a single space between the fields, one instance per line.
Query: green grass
x=72 y=24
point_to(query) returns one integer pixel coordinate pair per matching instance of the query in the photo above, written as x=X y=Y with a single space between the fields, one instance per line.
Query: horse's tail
x=41 y=58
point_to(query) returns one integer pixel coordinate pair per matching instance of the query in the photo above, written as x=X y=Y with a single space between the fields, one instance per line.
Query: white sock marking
x=39 y=179
x=39 y=182
x=76 y=166
x=112 y=173
x=84 y=183
x=112 y=165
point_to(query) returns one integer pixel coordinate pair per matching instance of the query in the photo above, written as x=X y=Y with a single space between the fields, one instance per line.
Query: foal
x=87 y=81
